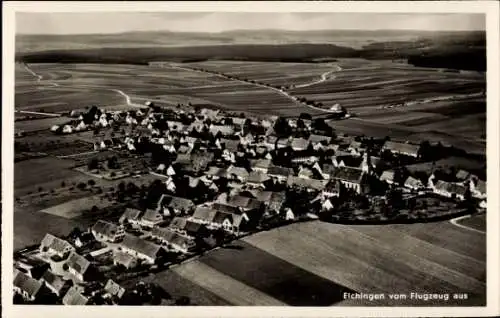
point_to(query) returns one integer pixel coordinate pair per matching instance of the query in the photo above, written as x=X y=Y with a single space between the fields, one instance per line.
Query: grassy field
x=75 y=208
x=314 y=263
x=477 y=222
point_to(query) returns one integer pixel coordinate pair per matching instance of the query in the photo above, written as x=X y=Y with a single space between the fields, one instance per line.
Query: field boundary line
x=456 y=220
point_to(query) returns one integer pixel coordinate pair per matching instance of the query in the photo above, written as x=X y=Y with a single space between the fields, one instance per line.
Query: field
x=75 y=208
x=477 y=222
x=387 y=98
x=314 y=263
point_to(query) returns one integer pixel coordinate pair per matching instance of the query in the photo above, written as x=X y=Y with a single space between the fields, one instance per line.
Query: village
x=222 y=176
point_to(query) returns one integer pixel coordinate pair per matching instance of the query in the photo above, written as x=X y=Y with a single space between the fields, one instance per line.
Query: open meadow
x=314 y=263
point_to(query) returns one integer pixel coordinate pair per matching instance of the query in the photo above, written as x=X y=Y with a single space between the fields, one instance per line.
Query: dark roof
x=171 y=237
x=175 y=202
x=481 y=186
x=333 y=186
x=193 y=227
x=152 y=216
x=226 y=208
x=348 y=174
x=55 y=281
x=221 y=216
x=105 y=228
x=79 y=263
x=238 y=171
x=141 y=246
x=350 y=161
x=216 y=171
x=279 y=171
x=26 y=283
x=244 y=202
x=178 y=223
x=74 y=297
x=328 y=168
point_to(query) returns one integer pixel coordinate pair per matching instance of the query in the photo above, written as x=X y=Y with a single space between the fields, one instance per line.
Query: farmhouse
x=78 y=266
x=27 y=287
x=55 y=283
x=55 y=246
x=204 y=215
x=178 y=242
x=450 y=190
x=332 y=189
x=131 y=216
x=124 y=259
x=74 y=297
x=171 y=205
x=139 y=248
x=351 y=178
x=151 y=218
x=402 y=148
x=106 y=231
x=413 y=184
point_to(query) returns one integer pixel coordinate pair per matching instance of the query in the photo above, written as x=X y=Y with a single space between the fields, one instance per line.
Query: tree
x=63 y=184
x=94 y=209
x=40 y=189
x=91 y=183
x=113 y=162
x=282 y=128
x=93 y=164
x=306 y=116
x=81 y=186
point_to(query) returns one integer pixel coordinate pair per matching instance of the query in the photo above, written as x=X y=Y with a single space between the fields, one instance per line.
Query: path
x=280 y=91
x=456 y=220
x=38 y=113
x=324 y=77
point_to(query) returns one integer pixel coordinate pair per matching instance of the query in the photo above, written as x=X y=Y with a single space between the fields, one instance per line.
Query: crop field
x=314 y=263
x=477 y=222
x=75 y=208
x=39 y=124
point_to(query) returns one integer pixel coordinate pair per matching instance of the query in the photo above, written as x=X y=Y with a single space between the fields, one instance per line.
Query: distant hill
x=460 y=50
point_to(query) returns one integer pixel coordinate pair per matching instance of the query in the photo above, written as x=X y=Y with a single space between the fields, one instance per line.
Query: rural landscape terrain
x=237 y=171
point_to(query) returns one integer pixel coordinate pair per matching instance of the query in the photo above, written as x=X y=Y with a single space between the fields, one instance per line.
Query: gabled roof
x=328 y=168
x=216 y=171
x=348 y=174
x=152 y=216
x=79 y=263
x=413 y=183
x=114 y=289
x=350 y=161
x=229 y=144
x=123 y=258
x=74 y=297
x=175 y=202
x=306 y=183
x=260 y=163
x=319 y=138
x=221 y=216
x=257 y=177
x=55 y=281
x=193 y=227
x=450 y=187
x=462 y=175
x=400 y=147
x=55 y=243
x=387 y=175
x=243 y=202
x=223 y=129
x=178 y=223
x=140 y=246
x=226 y=208
x=204 y=213
x=481 y=186
x=238 y=171
x=26 y=283
x=130 y=214
x=105 y=228
x=279 y=171
x=299 y=143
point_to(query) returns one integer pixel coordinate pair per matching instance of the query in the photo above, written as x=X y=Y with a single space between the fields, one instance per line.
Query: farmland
x=318 y=261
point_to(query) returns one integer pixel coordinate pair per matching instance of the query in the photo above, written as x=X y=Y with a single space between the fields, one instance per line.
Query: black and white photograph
x=249 y=158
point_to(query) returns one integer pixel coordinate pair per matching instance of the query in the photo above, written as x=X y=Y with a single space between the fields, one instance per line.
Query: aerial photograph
x=250 y=159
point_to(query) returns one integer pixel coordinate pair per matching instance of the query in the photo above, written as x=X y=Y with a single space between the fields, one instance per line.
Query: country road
x=324 y=77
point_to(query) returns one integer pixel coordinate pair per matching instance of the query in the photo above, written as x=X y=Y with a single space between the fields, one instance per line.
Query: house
x=55 y=246
x=237 y=173
x=319 y=139
x=230 y=144
x=356 y=147
x=217 y=172
x=463 y=175
x=83 y=239
x=26 y=286
x=31 y=266
x=478 y=188
x=272 y=142
x=55 y=283
x=106 y=231
x=413 y=184
x=229 y=222
x=351 y=178
x=305 y=172
x=209 y=113
x=224 y=130
x=327 y=205
x=400 y=148
x=279 y=173
x=74 y=297
x=353 y=161
x=78 y=266
x=289 y=215
x=326 y=170
x=276 y=201
x=450 y=190
x=388 y=176
x=171 y=205
x=256 y=179
x=124 y=259
x=151 y=218
x=305 y=160
x=299 y=144
x=332 y=189
x=204 y=215
x=178 y=242
x=243 y=203
x=113 y=289
x=261 y=165
x=141 y=249
x=307 y=184
x=131 y=216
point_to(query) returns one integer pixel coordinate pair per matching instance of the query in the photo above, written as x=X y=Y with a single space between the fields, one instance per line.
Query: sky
x=117 y=22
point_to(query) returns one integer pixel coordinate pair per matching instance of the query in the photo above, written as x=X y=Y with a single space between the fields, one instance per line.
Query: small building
x=140 y=248
x=27 y=287
x=74 y=297
x=319 y=139
x=55 y=246
x=114 y=289
x=178 y=242
x=132 y=216
x=299 y=144
x=106 y=231
x=78 y=266
x=450 y=190
x=55 y=283
x=151 y=218
x=413 y=184
x=203 y=215
x=351 y=178
x=224 y=130
x=400 y=148
x=124 y=259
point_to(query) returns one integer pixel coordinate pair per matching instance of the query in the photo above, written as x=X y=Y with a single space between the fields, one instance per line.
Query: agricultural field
x=75 y=208
x=476 y=222
x=313 y=263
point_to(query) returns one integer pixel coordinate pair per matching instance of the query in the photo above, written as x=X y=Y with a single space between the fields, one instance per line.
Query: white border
x=490 y=8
